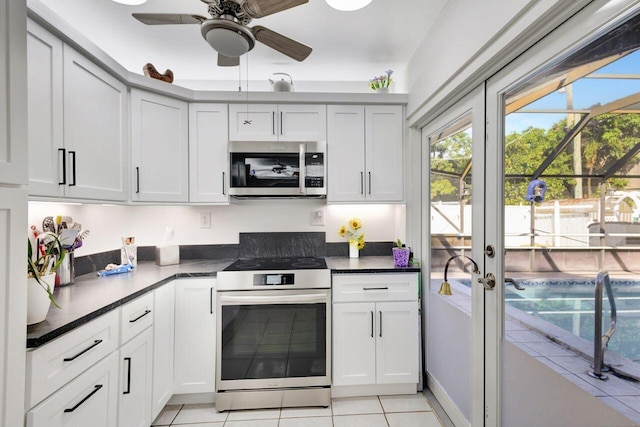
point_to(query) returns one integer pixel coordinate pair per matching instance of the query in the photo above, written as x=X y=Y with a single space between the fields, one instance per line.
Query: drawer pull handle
x=94 y=391
x=380 y=323
x=375 y=289
x=128 y=360
x=140 y=317
x=69 y=359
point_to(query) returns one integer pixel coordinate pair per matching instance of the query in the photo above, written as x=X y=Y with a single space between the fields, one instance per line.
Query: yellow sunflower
x=342 y=231
x=355 y=223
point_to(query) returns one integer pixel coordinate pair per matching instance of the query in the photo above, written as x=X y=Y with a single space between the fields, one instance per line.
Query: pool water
x=570 y=304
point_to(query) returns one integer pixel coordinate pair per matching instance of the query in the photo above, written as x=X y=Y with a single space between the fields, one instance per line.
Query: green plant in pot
x=400 y=254
x=44 y=255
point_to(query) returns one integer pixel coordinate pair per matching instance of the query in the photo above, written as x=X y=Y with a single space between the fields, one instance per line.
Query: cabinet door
x=134 y=407
x=302 y=122
x=13 y=304
x=208 y=164
x=345 y=151
x=384 y=153
x=89 y=400
x=354 y=344
x=397 y=342
x=252 y=123
x=13 y=87
x=163 y=323
x=46 y=144
x=160 y=139
x=194 y=357
x=95 y=130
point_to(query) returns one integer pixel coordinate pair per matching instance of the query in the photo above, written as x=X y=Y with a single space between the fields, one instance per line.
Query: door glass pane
x=448 y=361
x=572 y=211
x=273 y=341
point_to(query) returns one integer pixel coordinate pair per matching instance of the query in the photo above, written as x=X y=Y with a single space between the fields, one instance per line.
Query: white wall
x=108 y=223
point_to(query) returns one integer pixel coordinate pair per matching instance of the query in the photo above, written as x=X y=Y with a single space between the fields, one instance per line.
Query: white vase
x=382 y=90
x=354 y=252
x=38 y=301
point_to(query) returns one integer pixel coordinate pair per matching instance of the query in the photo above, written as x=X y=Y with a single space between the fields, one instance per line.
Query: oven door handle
x=276 y=299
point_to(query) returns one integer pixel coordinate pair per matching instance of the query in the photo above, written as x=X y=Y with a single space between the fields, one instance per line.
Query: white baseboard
x=373 y=390
x=182 y=399
x=447 y=404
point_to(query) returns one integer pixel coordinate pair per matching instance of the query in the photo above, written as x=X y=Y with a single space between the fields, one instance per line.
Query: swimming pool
x=569 y=304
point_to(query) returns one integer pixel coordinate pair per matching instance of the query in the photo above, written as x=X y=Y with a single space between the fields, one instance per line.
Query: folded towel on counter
x=115 y=269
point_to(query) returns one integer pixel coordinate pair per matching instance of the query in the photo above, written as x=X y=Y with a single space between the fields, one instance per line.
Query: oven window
x=258 y=170
x=273 y=341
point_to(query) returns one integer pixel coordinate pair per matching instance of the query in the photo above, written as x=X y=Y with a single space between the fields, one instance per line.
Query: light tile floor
x=375 y=411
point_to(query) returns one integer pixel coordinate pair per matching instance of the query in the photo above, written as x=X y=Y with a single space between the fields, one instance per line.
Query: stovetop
x=281 y=264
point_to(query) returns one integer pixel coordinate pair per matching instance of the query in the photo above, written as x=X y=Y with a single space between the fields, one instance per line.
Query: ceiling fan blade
x=227 y=61
x=261 y=8
x=168 y=18
x=283 y=44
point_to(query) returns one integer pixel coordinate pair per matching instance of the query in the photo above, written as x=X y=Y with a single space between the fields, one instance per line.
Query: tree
x=450 y=155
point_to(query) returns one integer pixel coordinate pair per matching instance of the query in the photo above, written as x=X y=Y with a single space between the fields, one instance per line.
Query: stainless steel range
x=273 y=334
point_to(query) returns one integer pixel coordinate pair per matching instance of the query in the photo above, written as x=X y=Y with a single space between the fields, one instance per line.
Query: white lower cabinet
x=375 y=341
x=134 y=409
x=163 y=324
x=88 y=400
x=195 y=340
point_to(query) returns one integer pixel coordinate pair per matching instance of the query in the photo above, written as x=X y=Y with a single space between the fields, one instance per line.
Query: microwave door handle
x=303 y=170
x=263 y=299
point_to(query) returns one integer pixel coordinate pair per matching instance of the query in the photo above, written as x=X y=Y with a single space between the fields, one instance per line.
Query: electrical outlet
x=317 y=217
x=205 y=219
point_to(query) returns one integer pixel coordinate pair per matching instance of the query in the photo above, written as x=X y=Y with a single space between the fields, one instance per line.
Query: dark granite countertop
x=367 y=264
x=91 y=296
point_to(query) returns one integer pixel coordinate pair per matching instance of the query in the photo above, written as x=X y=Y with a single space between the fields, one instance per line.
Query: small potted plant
x=400 y=254
x=44 y=256
x=381 y=83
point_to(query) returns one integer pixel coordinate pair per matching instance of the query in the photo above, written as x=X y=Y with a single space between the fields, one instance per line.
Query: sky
x=586 y=93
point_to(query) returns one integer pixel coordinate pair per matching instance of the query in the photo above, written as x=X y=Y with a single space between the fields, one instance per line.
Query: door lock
x=488 y=282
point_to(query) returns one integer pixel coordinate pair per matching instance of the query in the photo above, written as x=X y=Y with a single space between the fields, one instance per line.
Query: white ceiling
x=347 y=46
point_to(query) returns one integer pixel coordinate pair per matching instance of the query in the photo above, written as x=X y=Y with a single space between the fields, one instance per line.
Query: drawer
x=56 y=363
x=88 y=400
x=375 y=287
x=135 y=317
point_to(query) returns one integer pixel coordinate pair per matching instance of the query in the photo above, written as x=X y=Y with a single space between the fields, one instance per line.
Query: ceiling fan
x=227 y=31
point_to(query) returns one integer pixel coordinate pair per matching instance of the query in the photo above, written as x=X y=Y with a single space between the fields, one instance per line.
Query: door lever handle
x=488 y=282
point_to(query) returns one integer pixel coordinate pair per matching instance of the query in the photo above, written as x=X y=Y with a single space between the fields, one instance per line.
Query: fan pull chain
x=247 y=121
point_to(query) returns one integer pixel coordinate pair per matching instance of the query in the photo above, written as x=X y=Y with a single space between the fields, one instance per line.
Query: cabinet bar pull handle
x=64 y=166
x=281 y=131
x=361 y=182
x=140 y=317
x=223 y=184
x=73 y=168
x=211 y=300
x=137 y=179
x=94 y=391
x=273 y=122
x=380 y=323
x=369 y=182
x=70 y=359
x=128 y=360
x=375 y=289
x=371 y=324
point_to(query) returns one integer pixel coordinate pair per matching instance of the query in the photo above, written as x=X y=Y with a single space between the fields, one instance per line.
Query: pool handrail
x=600 y=341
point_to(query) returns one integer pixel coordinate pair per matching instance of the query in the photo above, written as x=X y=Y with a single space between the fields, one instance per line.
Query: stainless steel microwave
x=275 y=169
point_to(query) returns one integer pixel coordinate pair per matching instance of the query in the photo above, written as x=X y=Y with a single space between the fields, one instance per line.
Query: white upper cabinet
x=13 y=87
x=208 y=165
x=267 y=122
x=365 y=150
x=160 y=148
x=46 y=142
x=95 y=131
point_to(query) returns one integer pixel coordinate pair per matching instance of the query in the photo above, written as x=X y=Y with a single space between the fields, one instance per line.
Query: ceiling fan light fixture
x=227 y=37
x=348 y=5
x=130 y=2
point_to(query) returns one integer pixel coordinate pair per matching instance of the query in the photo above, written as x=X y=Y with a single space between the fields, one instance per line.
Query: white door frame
x=589 y=24
x=472 y=104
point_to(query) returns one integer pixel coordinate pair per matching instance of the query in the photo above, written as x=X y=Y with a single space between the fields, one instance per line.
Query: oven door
x=273 y=339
